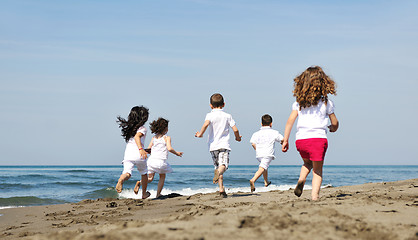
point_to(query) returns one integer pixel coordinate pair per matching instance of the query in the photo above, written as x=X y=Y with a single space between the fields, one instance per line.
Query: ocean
x=45 y=185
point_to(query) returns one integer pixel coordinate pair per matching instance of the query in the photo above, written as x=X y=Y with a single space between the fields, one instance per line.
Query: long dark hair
x=137 y=118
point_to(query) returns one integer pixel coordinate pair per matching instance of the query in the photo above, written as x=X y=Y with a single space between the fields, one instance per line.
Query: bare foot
x=147 y=194
x=216 y=176
x=299 y=188
x=119 y=187
x=137 y=186
x=252 y=186
x=267 y=183
x=223 y=194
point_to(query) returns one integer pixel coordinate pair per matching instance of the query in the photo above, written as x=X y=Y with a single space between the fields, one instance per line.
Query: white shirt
x=313 y=121
x=159 y=148
x=218 y=129
x=264 y=140
x=132 y=150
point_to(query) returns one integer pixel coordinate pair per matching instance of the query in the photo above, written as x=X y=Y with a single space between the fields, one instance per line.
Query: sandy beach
x=370 y=211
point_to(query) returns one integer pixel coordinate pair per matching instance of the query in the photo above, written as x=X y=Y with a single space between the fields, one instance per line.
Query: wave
x=109 y=192
x=76 y=171
x=76 y=184
x=15 y=186
x=28 y=201
x=129 y=193
x=31 y=177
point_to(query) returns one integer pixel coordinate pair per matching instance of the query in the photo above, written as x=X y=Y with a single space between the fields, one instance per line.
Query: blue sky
x=68 y=68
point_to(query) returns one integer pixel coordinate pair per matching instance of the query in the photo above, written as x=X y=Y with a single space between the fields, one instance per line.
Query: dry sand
x=369 y=211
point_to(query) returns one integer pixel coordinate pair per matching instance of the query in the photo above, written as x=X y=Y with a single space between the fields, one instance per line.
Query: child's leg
x=123 y=177
x=150 y=177
x=138 y=183
x=265 y=176
x=144 y=183
x=221 y=171
x=316 y=179
x=259 y=172
x=215 y=176
x=304 y=171
x=160 y=184
x=137 y=186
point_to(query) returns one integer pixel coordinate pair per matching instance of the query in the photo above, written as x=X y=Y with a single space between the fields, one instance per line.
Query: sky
x=69 y=68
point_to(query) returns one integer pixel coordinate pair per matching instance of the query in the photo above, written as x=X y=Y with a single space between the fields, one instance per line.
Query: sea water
x=44 y=185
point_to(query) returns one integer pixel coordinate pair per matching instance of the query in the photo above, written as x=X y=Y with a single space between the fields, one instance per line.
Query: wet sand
x=369 y=211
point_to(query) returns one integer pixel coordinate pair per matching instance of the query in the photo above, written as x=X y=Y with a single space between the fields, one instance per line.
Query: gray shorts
x=220 y=157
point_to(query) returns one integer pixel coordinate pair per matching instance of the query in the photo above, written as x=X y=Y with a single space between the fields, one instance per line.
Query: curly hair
x=137 y=118
x=313 y=85
x=159 y=126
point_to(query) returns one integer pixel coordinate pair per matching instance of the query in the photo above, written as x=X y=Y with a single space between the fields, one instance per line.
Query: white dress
x=157 y=161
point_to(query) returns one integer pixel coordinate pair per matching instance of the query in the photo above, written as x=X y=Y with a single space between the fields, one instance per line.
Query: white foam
x=5 y=207
x=129 y=193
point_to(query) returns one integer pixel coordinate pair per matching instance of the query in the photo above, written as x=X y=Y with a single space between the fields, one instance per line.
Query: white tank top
x=159 y=148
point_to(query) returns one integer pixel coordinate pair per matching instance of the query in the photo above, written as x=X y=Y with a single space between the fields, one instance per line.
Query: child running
x=312 y=106
x=160 y=145
x=263 y=143
x=134 y=132
x=219 y=123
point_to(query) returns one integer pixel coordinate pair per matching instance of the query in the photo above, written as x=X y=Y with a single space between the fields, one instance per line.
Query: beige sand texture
x=369 y=211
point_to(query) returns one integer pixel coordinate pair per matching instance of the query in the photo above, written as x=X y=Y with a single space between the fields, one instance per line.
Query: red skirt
x=313 y=149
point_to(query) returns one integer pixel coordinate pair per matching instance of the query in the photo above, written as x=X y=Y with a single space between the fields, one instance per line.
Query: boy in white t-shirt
x=263 y=143
x=219 y=123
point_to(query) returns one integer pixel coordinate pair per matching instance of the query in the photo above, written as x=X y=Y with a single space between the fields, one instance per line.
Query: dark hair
x=217 y=100
x=266 y=120
x=137 y=118
x=311 y=86
x=159 y=126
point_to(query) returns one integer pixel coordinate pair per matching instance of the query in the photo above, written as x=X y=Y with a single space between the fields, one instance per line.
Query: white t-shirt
x=264 y=139
x=313 y=121
x=218 y=129
x=131 y=150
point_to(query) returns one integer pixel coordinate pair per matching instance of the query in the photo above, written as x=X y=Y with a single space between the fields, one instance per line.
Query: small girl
x=313 y=108
x=160 y=146
x=133 y=131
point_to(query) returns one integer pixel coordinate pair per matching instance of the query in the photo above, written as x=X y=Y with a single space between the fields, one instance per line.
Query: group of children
x=312 y=108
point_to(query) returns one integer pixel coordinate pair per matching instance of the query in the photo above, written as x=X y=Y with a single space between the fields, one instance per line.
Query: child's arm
x=203 y=129
x=236 y=132
x=170 y=148
x=151 y=143
x=289 y=124
x=137 y=138
x=253 y=144
x=334 y=123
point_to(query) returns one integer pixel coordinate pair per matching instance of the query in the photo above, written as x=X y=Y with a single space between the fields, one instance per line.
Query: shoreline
x=387 y=210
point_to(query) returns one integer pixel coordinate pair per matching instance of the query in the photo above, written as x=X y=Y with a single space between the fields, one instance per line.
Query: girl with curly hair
x=160 y=145
x=314 y=109
x=134 y=132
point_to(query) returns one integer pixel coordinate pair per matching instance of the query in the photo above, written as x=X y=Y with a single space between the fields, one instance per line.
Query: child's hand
x=180 y=154
x=143 y=154
x=238 y=138
x=332 y=128
x=285 y=146
x=198 y=134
